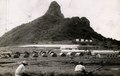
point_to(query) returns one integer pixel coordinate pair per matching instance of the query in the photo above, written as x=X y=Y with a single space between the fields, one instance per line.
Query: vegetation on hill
x=52 y=26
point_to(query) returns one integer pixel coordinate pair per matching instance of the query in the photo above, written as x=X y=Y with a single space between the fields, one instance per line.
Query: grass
x=53 y=66
x=58 y=74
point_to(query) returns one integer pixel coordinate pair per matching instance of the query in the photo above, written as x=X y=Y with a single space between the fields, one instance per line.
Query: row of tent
x=37 y=54
x=27 y=54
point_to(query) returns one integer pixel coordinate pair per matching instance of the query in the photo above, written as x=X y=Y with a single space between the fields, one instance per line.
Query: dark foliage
x=52 y=26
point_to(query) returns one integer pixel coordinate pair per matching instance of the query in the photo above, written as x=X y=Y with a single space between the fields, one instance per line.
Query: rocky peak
x=54 y=10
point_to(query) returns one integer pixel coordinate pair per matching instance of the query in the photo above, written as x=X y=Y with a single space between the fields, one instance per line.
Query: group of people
x=21 y=69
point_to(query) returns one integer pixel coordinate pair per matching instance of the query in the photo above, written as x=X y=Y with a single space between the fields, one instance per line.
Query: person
x=80 y=68
x=21 y=70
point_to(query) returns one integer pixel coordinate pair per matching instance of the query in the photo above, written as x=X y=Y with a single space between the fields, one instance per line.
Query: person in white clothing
x=20 y=71
x=80 y=68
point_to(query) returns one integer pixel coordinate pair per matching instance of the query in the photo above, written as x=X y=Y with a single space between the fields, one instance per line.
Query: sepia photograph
x=59 y=38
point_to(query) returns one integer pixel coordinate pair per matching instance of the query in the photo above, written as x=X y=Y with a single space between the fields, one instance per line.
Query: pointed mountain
x=54 y=10
x=52 y=26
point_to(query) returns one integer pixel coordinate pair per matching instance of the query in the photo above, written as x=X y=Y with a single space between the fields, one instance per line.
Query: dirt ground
x=53 y=64
x=57 y=64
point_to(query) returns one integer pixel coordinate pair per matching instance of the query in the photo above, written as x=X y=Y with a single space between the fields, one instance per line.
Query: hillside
x=52 y=26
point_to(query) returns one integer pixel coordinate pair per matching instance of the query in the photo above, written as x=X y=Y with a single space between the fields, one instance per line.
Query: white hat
x=24 y=62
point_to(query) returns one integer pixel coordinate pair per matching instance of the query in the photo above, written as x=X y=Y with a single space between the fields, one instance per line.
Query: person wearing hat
x=21 y=70
x=80 y=68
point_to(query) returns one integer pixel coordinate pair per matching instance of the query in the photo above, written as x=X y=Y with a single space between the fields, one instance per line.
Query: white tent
x=62 y=54
x=53 y=54
x=71 y=54
x=35 y=55
x=44 y=55
x=77 y=54
x=16 y=56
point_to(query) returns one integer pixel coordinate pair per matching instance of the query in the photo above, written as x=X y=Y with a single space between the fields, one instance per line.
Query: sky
x=104 y=15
